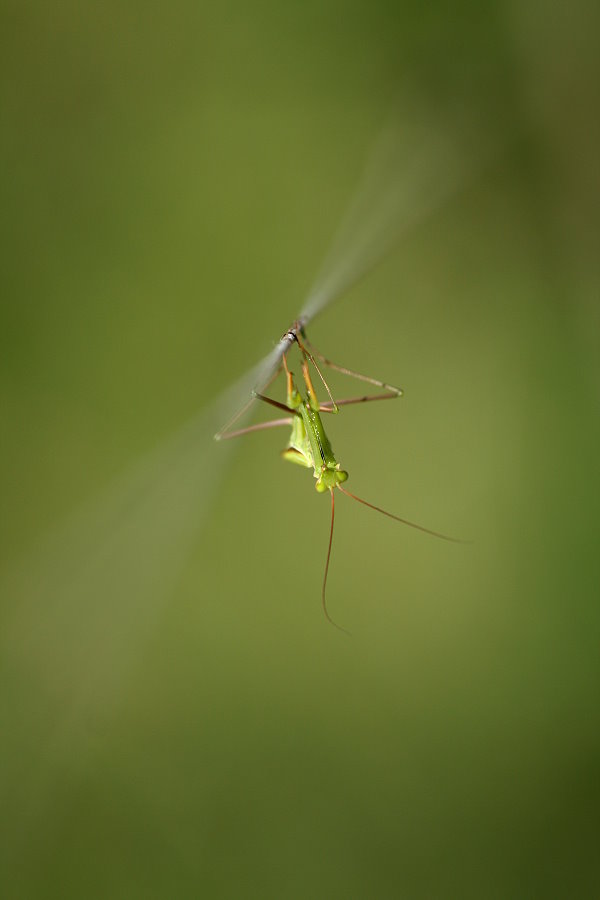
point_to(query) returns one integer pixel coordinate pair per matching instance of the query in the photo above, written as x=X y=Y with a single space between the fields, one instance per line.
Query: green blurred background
x=178 y=720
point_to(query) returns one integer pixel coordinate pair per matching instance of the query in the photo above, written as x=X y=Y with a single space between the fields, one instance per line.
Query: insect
x=123 y=551
x=308 y=445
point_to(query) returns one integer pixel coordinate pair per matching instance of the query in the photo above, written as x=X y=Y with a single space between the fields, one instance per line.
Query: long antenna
x=323 y=600
x=395 y=391
x=438 y=534
x=307 y=355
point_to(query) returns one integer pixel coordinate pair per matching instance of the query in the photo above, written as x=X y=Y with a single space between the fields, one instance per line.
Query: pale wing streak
x=79 y=608
x=412 y=171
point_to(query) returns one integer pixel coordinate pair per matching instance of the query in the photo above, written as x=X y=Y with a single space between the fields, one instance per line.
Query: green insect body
x=309 y=445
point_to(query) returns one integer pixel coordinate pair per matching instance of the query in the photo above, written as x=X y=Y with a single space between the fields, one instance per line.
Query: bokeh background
x=178 y=719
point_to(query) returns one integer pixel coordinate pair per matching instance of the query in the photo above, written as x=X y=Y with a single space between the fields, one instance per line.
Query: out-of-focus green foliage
x=177 y=718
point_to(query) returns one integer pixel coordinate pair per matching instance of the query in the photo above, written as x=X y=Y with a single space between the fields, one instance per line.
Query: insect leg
x=275 y=403
x=366 y=398
x=223 y=432
x=260 y=427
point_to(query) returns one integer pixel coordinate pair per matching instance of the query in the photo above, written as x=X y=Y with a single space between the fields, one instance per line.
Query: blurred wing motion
x=415 y=166
x=79 y=609
x=97 y=581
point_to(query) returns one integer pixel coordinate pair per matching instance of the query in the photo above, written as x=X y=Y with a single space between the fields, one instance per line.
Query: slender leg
x=397 y=392
x=224 y=434
x=260 y=427
x=276 y=404
x=366 y=398
x=289 y=378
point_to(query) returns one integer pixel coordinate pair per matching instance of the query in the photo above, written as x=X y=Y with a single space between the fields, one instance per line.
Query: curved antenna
x=307 y=355
x=323 y=599
x=394 y=391
x=438 y=534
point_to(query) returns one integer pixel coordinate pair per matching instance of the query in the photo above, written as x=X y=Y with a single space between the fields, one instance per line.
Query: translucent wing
x=418 y=162
x=413 y=168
